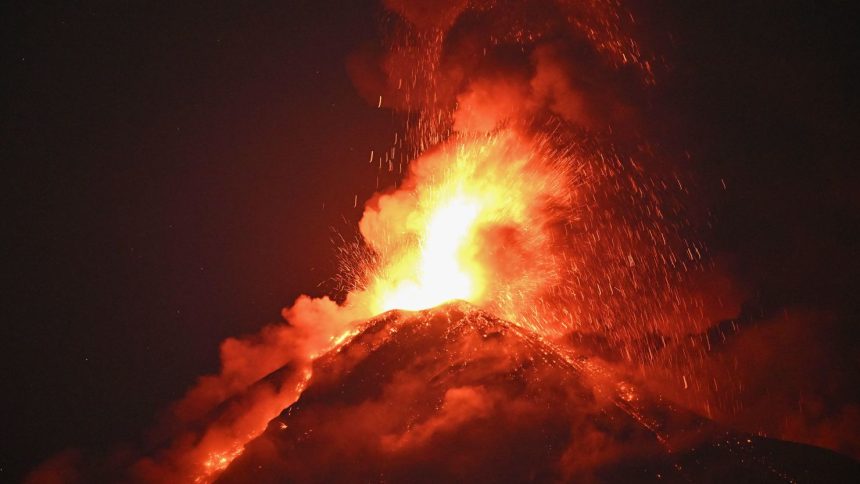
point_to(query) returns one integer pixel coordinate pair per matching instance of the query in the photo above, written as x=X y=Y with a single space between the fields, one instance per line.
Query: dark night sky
x=166 y=168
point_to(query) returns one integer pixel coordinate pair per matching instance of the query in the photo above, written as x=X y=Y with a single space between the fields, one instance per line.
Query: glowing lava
x=441 y=274
x=470 y=222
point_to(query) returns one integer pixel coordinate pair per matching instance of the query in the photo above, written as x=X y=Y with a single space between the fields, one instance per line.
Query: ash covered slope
x=454 y=394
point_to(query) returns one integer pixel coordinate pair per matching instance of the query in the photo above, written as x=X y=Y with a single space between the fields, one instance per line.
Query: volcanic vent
x=454 y=394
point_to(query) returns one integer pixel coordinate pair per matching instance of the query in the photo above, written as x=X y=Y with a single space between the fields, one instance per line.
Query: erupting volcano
x=528 y=301
x=453 y=394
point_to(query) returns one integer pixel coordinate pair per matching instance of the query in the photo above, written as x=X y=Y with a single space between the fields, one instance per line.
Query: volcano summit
x=453 y=394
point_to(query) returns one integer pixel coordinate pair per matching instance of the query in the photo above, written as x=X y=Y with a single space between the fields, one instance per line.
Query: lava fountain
x=473 y=220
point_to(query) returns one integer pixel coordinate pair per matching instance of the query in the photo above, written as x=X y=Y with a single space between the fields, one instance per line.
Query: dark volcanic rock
x=455 y=395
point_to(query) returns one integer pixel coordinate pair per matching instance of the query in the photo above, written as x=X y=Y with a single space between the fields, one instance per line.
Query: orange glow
x=472 y=221
x=436 y=235
x=440 y=274
x=221 y=445
x=218 y=461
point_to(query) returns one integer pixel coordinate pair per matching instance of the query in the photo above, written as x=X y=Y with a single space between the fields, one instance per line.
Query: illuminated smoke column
x=525 y=120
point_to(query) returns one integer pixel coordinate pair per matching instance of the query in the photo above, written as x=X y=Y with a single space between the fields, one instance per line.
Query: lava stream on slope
x=454 y=394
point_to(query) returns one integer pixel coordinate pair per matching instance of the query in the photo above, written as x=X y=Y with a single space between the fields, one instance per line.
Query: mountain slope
x=455 y=394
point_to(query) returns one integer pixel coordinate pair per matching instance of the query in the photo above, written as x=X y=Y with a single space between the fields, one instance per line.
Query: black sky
x=171 y=174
